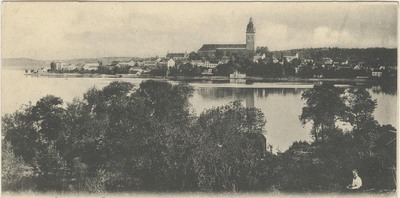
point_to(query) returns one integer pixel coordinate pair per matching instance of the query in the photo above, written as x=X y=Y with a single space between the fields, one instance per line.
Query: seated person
x=357 y=182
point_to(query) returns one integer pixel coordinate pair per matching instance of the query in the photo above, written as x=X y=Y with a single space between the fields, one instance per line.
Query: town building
x=210 y=65
x=171 y=63
x=376 y=73
x=136 y=71
x=327 y=61
x=70 y=67
x=258 y=57
x=91 y=66
x=289 y=59
x=60 y=65
x=64 y=66
x=198 y=63
x=149 y=63
x=126 y=64
x=212 y=49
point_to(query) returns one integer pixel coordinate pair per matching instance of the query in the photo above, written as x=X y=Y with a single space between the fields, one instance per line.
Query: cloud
x=272 y=34
x=53 y=30
x=326 y=37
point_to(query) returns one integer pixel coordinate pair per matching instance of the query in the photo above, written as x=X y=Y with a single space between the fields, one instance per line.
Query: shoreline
x=210 y=78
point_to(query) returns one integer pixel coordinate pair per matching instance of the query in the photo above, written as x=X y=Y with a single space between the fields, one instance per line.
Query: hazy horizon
x=72 y=30
x=165 y=54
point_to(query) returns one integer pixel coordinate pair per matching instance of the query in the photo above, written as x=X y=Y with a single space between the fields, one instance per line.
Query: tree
x=193 y=56
x=16 y=174
x=226 y=69
x=18 y=130
x=324 y=105
x=227 y=151
x=53 y=66
x=360 y=107
x=47 y=117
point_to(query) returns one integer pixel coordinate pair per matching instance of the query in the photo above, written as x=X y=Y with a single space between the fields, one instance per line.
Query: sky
x=68 y=30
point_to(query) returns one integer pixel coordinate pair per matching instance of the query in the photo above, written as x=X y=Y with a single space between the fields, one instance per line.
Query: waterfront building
x=207 y=72
x=61 y=65
x=69 y=67
x=237 y=74
x=212 y=49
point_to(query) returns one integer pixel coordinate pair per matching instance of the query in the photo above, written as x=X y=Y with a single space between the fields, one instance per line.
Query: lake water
x=280 y=102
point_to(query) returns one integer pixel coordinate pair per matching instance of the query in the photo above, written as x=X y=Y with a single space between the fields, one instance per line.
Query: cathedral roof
x=209 y=47
x=175 y=55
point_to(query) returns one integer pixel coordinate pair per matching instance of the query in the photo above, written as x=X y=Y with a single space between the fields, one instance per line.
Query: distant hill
x=104 y=60
x=383 y=56
x=23 y=63
x=26 y=63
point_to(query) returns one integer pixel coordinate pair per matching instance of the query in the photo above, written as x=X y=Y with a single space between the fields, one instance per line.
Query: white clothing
x=357 y=183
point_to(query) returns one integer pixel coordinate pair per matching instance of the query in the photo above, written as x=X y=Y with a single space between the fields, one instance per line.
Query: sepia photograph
x=199 y=99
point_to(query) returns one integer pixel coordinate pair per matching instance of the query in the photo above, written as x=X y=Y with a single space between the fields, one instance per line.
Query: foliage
x=186 y=69
x=15 y=174
x=360 y=108
x=368 y=147
x=324 y=106
x=230 y=140
x=126 y=138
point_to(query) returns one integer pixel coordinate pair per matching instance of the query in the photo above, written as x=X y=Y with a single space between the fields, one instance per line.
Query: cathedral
x=212 y=49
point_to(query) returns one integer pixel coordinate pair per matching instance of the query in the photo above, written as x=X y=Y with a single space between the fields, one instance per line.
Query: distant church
x=208 y=49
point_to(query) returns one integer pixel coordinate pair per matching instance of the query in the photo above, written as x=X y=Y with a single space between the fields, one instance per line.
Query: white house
x=137 y=71
x=171 y=63
x=198 y=63
x=327 y=61
x=126 y=64
x=376 y=73
x=291 y=58
x=91 y=66
x=258 y=57
x=70 y=67
x=210 y=65
x=61 y=65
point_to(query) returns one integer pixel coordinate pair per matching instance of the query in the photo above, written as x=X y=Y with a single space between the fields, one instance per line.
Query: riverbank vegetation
x=124 y=138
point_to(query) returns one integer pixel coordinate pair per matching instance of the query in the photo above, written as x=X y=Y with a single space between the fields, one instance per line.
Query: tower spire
x=250 y=36
x=250 y=27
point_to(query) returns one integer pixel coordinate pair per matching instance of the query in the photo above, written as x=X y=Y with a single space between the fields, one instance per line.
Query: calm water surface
x=280 y=102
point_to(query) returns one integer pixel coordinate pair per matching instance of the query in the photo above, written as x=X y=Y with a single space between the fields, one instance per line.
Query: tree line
x=125 y=138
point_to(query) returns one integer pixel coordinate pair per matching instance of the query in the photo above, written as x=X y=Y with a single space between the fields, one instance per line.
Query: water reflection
x=384 y=89
x=245 y=94
x=279 y=101
x=281 y=107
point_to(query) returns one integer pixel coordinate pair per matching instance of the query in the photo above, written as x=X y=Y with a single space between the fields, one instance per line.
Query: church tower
x=250 y=36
